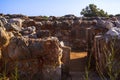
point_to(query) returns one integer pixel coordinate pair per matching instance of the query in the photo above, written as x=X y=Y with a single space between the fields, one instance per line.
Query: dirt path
x=78 y=62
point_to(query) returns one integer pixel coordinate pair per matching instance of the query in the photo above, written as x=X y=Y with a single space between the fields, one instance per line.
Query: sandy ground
x=75 y=55
x=78 y=61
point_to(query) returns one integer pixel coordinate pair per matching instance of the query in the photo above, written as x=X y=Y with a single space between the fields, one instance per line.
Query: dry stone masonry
x=39 y=47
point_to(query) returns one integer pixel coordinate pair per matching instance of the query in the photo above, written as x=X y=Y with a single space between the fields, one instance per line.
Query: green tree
x=93 y=11
x=117 y=15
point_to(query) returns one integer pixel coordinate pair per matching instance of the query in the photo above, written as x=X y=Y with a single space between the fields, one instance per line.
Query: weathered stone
x=43 y=33
x=1 y=24
x=4 y=21
x=31 y=56
x=28 y=23
x=4 y=38
x=16 y=21
x=51 y=73
x=36 y=53
x=65 y=62
x=106 y=47
x=12 y=27
x=28 y=30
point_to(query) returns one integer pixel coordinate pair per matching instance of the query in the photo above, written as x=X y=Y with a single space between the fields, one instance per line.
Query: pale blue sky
x=55 y=7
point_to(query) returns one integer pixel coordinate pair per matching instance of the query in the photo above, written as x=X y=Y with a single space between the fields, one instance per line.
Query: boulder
x=28 y=30
x=16 y=21
x=12 y=27
x=66 y=25
x=4 y=21
x=108 y=24
x=38 y=25
x=29 y=22
x=115 y=32
x=43 y=33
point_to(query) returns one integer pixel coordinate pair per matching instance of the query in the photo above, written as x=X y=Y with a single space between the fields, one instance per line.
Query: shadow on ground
x=78 y=62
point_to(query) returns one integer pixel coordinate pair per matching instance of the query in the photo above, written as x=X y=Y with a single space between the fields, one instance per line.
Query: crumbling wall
x=106 y=53
x=65 y=63
x=71 y=31
x=38 y=59
x=30 y=58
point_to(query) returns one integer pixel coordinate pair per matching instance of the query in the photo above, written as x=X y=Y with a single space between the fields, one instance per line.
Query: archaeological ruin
x=39 y=47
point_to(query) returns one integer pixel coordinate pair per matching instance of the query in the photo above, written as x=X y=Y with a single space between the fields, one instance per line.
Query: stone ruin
x=106 y=53
x=39 y=47
x=106 y=48
x=35 y=55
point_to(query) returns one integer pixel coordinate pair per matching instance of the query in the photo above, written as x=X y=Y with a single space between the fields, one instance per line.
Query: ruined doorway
x=78 y=57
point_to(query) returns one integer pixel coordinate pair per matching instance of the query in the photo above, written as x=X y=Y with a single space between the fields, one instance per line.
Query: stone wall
x=30 y=56
x=38 y=59
x=106 y=51
x=71 y=31
x=69 y=28
x=37 y=46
